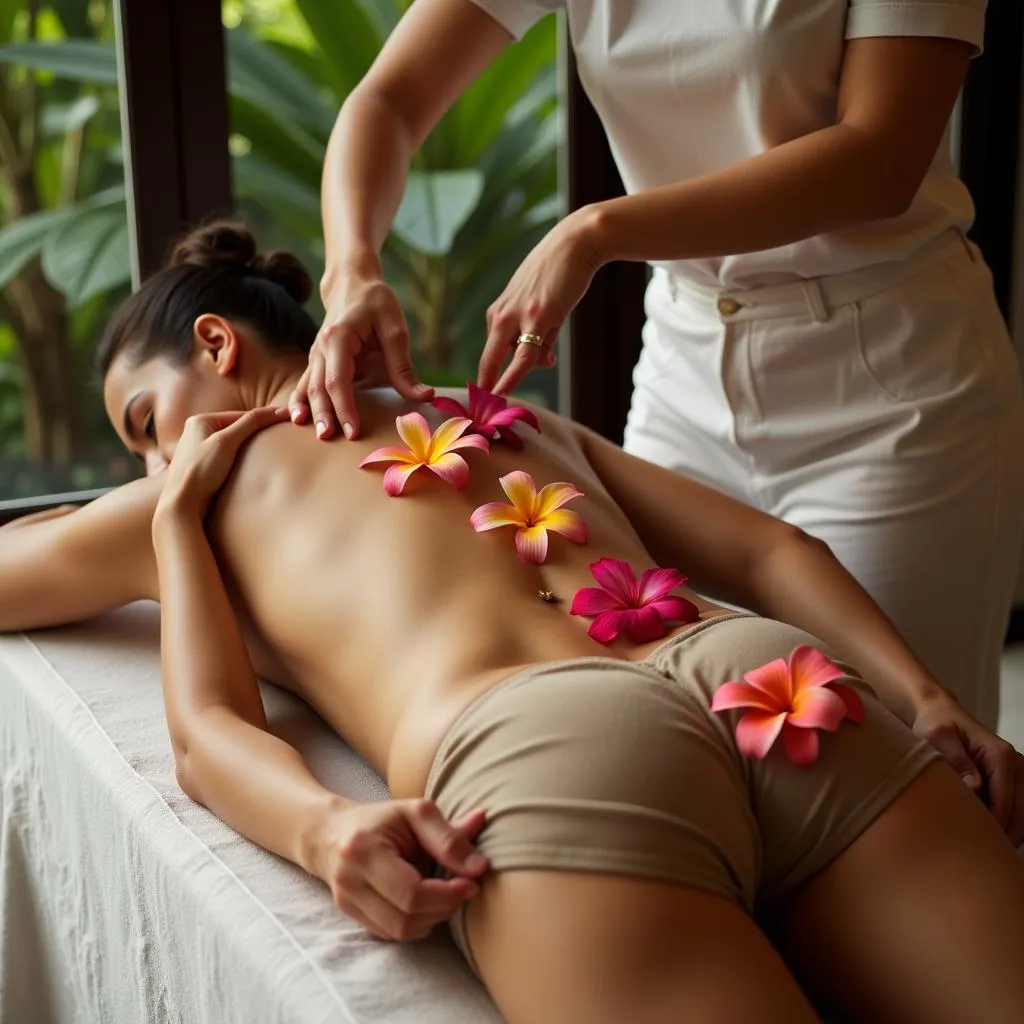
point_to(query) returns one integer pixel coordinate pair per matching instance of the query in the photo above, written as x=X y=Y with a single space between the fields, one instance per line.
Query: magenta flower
x=624 y=604
x=491 y=414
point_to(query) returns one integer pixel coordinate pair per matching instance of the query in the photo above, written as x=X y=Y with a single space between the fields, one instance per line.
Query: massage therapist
x=822 y=342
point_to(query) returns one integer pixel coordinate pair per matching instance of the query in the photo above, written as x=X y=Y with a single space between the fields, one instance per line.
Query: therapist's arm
x=895 y=98
x=746 y=558
x=438 y=48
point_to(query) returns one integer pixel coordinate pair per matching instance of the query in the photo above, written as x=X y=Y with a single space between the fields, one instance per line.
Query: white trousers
x=879 y=410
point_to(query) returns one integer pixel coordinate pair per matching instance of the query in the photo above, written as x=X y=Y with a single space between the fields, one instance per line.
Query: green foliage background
x=483 y=191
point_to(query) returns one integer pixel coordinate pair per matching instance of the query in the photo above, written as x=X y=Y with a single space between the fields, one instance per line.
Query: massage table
x=123 y=902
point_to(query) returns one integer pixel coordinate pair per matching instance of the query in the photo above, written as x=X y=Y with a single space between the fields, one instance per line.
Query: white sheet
x=123 y=901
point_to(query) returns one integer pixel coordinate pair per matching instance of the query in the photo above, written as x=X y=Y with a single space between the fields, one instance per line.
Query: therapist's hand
x=363 y=332
x=988 y=765
x=375 y=857
x=538 y=300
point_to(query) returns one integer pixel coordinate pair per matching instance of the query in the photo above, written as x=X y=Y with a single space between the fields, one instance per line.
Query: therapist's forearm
x=799 y=581
x=831 y=179
x=227 y=760
x=365 y=171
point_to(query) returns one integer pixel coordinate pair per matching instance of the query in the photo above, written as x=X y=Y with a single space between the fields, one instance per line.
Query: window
x=64 y=244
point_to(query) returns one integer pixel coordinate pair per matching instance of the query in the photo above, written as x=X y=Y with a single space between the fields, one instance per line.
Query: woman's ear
x=216 y=340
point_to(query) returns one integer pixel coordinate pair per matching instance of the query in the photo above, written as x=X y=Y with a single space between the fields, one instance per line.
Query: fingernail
x=348 y=430
x=295 y=414
x=321 y=428
x=476 y=862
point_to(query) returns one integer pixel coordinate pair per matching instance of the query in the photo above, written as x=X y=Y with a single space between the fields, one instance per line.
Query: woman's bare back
x=390 y=614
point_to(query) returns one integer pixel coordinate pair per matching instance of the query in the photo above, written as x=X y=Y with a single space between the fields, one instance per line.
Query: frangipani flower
x=437 y=452
x=624 y=604
x=794 y=699
x=491 y=414
x=534 y=513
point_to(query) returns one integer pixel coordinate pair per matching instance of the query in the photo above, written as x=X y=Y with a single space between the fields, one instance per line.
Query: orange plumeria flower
x=534 y=513
x=794 y=699
x=436 y=452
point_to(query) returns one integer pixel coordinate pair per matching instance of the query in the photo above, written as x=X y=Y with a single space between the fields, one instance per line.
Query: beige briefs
x=598 y=764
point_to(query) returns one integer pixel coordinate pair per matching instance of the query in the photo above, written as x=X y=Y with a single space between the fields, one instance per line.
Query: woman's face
x=148 y=404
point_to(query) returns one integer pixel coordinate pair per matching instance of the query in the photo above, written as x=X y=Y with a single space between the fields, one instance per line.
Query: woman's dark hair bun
x=229 y=243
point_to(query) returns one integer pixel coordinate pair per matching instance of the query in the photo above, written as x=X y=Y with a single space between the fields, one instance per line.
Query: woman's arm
x=228 y=760
x=752 y=560
x=895 y=99
x=58 y=567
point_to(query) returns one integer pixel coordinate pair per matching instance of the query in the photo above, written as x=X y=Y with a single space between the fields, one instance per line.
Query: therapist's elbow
x=184 y=769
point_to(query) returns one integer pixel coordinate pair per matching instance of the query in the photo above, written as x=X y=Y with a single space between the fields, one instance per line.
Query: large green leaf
x=435 y=205
x=23 y=239
x=480 y=113
x=81 y=60
x=89 y=254
x=347 y=36
x=61 y=118
x=260 y=75
x=278 y=191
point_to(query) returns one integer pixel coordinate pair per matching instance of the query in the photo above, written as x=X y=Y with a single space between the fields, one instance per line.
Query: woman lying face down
x=486 y=622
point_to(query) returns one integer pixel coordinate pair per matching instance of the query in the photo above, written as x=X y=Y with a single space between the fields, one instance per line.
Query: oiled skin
x=390 y=649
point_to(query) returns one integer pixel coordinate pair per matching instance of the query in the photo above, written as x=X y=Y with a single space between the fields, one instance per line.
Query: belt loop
x=815 y=301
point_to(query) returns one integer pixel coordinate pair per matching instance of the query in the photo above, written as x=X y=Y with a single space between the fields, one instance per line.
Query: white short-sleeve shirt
x=685 y=87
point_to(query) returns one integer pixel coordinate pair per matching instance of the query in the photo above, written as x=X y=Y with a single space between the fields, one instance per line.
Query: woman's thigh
x=556 y=947
x=920 y=920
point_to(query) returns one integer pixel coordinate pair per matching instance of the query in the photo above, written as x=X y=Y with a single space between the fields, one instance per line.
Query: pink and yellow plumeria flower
x=623 y=604
x=793 y=699
x=437 y=452
x=534 y=513
x=491 y=414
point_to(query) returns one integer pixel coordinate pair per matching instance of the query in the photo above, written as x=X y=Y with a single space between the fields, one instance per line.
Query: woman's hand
x=364 y=331
x=988 y=764
x=374 y=858
x=545 y=289
x=205 y=454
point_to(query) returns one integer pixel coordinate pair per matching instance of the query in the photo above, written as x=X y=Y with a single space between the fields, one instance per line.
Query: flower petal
x=390 y=454
x=532 y=544
x=554 y=496
x=818 y=709
x=617 y=577
x=852 y=699
x=414 y=430
x=513 y=414
x=756 y=731
x=396 y=478
x=802 y=745
x=656 y=583
x=495 y=514
x=642 y=625
x=569 y=524
x=521 y=491
x=676 y=609
x=470 y=440
x=447 y=434
x=743 y=695
x=773 y=678
x=484 y=405
x=450 y=407
x=605 y=628
x=591 y=601
x=451 y=468
x=809 y=667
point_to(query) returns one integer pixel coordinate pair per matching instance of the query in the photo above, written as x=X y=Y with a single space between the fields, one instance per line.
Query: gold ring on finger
x=530 y=339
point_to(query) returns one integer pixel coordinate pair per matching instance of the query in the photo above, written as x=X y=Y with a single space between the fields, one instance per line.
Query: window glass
x=484 y=187
x=64 y=244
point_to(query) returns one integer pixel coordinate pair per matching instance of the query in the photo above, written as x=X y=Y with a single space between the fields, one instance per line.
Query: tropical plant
x=482 y=192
